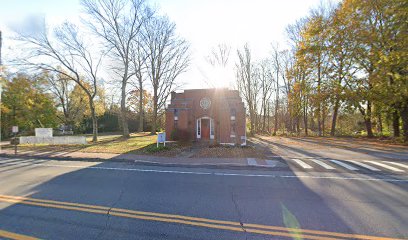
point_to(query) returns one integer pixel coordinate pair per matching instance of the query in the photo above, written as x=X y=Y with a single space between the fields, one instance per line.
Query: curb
x=231 y=166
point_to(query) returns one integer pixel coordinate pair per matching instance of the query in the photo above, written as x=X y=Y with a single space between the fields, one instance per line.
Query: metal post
x=15 y=143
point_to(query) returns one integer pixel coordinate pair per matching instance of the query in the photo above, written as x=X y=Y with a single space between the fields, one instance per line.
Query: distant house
x=212 y=115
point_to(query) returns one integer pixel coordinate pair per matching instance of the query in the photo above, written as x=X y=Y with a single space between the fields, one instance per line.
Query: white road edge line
x=349 y=167
x=365 y=165
x=325 y=165
x=302 y=164
x=215 y=173
x=386 y=166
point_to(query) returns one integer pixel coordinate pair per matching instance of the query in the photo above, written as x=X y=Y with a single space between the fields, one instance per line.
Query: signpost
x=14 y=130
x=161 y=138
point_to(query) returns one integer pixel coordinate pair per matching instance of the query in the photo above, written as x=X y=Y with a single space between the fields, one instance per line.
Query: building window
x=175 y=124
x=198 y=128
x=233 y=129
x=176 y=114
x=233 y=113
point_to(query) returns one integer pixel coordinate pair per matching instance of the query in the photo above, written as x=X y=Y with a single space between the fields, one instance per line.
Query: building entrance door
x=205 y=129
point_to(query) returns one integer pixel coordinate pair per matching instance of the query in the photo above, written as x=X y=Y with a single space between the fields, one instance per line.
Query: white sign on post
x=43 y=132
x=14 y=129
x=161 y=138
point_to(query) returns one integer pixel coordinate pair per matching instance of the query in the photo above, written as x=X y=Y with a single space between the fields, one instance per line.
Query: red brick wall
x=189 y=110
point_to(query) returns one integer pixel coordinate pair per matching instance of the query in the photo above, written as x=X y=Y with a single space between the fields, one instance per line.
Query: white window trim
x=212 y=128
x=212 y=136
x=198 y=127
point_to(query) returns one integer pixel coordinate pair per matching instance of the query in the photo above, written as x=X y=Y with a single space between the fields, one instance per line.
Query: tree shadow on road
x=259 y=200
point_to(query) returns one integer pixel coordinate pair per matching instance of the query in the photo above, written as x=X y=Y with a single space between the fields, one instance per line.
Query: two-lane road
x=88 y=200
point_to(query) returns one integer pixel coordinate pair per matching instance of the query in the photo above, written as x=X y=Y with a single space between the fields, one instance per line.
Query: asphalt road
x=127 y=201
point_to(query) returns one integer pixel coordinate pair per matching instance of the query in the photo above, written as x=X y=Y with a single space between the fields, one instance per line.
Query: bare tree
x=219 y=55
x=247 y=83
x=266 y=84
x=67 y=55
x=139 y=58
x=277 y=69
x=61 y=87
x=167 y=57
x=118 y=23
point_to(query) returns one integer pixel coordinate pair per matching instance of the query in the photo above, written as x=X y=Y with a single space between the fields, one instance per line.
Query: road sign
x=14 y=129
x=161 y=138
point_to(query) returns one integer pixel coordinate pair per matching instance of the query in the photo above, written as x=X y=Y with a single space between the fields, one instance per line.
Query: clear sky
x=204 y=24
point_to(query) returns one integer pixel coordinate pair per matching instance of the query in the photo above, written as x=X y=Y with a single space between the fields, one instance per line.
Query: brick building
x=213 y=115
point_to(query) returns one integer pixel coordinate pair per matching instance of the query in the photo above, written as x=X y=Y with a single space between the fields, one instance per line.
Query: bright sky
x=204 y=24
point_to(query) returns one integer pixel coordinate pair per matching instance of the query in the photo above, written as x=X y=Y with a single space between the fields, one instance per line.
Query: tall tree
x=25 y=104
x=341 y=49
x=167 y=57
x=118 y=24
x=68 y=55
x=315 y=49
x=139 y=57
x=247 y=83
x=277 y=69
x=266 y=84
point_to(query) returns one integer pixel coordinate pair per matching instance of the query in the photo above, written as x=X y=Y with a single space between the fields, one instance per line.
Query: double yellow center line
x=192 y=221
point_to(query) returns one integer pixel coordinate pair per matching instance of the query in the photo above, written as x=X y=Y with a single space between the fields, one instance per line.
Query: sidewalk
x=235 y=163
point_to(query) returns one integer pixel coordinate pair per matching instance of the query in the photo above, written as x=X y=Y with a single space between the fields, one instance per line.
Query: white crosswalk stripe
x=326 y=166
x=349 y=167
x=398 y=164
x=352 y=165
x=364 y=165
x=386 y=166
x=302 y=164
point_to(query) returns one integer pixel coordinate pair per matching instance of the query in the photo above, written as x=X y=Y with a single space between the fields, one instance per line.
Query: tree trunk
x=367 y=120
x=277 y=101
x=298 y=125
x=395 y=123
x=334 y=120
x=305 y=119
x=94 y=121
x=319 y=117
x=123 y=112
x=140 y=128
x=154 y=120
x=380 y=124
x=269 y=115
x=264 y=117
x=253 y=120
x=404 y=117
x=323 y=120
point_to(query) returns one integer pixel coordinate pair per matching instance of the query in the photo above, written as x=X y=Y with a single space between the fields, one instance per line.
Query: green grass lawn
x=118 y=144
x=113 y=143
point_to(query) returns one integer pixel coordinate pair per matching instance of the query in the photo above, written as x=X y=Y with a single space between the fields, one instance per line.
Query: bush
x=154 y=149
